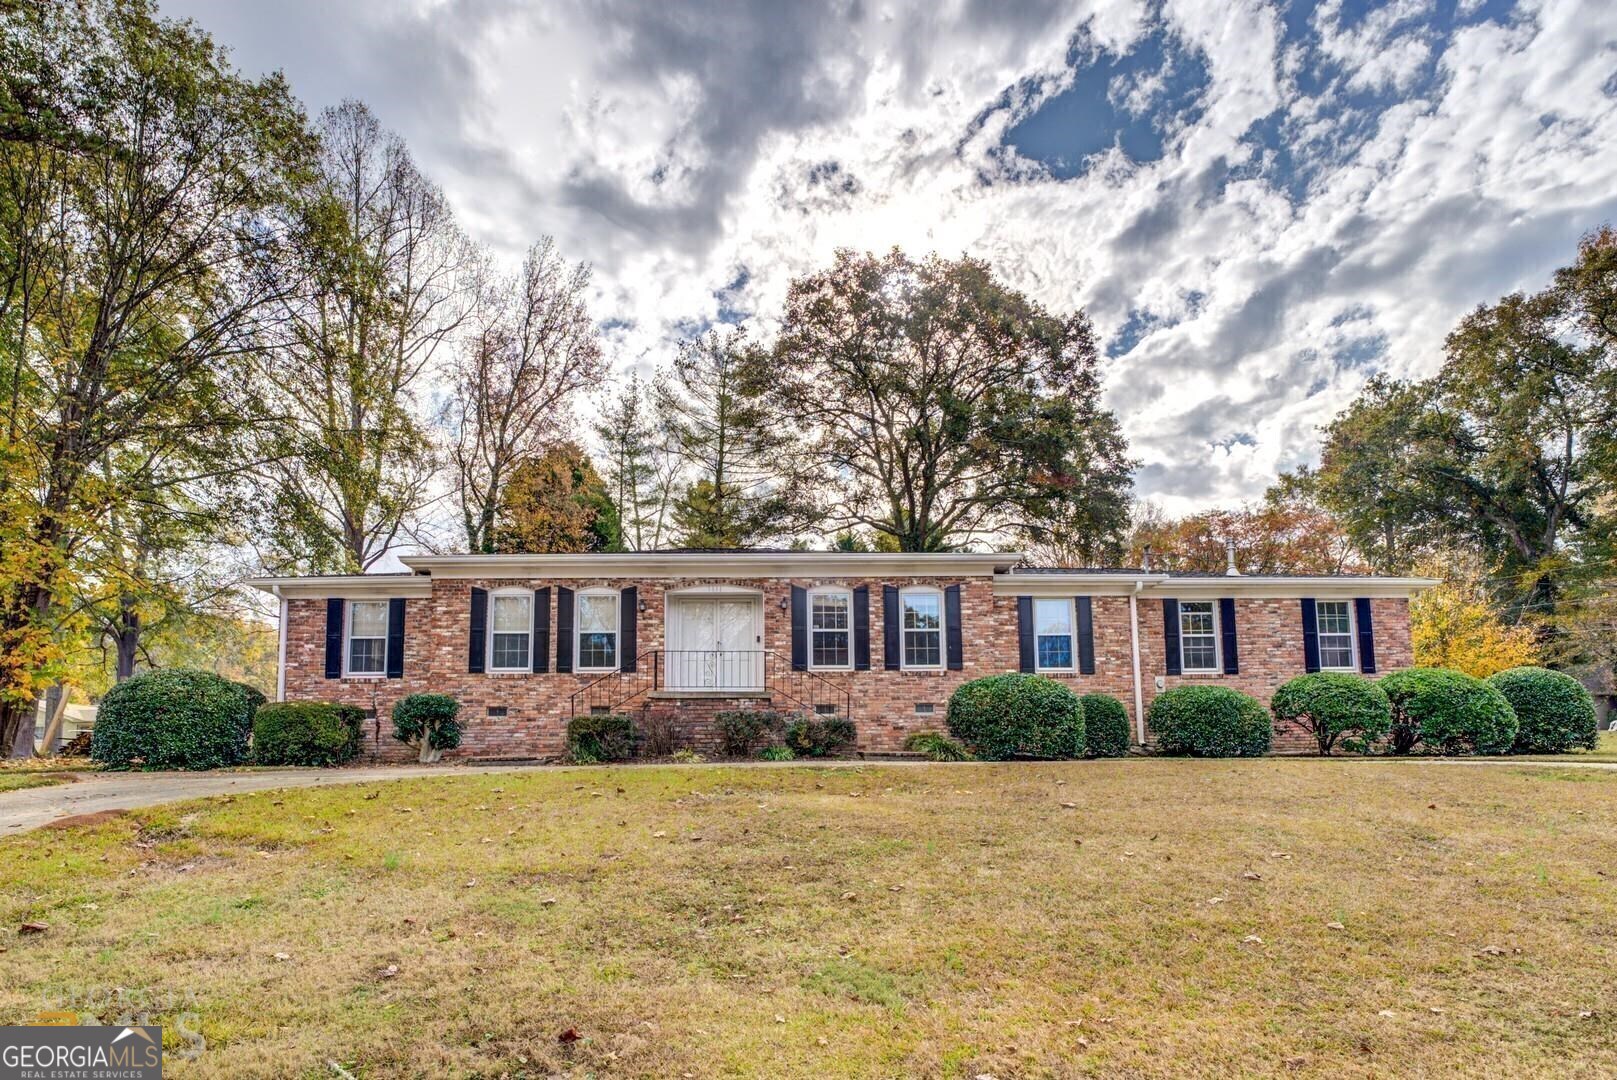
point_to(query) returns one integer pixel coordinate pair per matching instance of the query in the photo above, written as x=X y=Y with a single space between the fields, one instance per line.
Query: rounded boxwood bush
x=427 y=722
x=1554 y=713
x=1209 y=721
x=818 y=736
x=1334 y=705
x=593 y=738
x=307 y=733
x=1006 y=716
x=1449 y=712
x=1106 y=726
x=172 y=719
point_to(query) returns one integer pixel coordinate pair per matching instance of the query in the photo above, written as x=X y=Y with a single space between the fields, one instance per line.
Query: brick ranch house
x=524 y=642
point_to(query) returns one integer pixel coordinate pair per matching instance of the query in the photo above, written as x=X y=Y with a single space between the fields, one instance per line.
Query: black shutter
x=334 y=620
x=541 y=630
x=564 y=629
x=477 y=639
x=1310 y=636
x=861 y=628
x=1170 y=634
x=628 y=628
x=1086 y=635
x=1226 y=631
x=395 y=638
x=1367 y=635
x=953 y=640
x=1024 y=632
x=889 y=627
x=800 y=631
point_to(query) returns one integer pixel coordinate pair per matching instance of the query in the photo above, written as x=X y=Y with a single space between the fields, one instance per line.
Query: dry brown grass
x=927 y=920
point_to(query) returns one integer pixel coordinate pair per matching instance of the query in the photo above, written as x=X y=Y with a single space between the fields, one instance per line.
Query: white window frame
x=904 y=632
x=1072 y=633
x=1218 y=640
x=1352 y=636
x=578 y=630
x=348 y=640
x=526 y=668
x=847 y=596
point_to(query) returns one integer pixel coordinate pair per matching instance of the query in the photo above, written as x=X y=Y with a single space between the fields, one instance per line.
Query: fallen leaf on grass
x=1252 y=939
x=1334 y=926
x=283 y=956
x=1279 y=854
x=33 y=928
x=1069 y=806
x=1252 y=875
x=1491 y=950
x=571 y=1035
x=388 y=972
x=1388 y=1014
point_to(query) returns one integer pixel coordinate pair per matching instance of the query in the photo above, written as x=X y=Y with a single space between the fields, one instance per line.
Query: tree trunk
x=429 y=754
x=127 y=640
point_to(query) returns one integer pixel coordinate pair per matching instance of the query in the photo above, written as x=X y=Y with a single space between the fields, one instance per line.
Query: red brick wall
x=883 y=702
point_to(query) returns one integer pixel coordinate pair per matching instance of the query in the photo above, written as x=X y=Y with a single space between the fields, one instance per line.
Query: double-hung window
x=922 y=627
x=830 y=629
x=1335 y=622
x=1052 y=620
x=367 y=637
x=1198 y=635
x=598 y=631
x=511 y=636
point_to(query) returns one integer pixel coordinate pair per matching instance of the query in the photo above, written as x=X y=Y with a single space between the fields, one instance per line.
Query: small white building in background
x=76 y=719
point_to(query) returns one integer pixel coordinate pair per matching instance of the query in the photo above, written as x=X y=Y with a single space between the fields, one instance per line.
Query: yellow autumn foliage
x=1453 y=626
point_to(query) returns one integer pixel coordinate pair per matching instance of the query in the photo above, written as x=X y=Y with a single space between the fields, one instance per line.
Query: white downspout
x=280 y=652
x=1134 y=648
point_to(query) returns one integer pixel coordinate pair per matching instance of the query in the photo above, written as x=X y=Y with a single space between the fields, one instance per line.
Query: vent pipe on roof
x=1229 y=555
x=1145 y=559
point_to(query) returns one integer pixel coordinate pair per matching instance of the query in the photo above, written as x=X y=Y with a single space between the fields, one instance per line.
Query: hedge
x=600 y=737
x=1209 y=721
x=172 y=719
x=1449 y=712
x=1334 y=706
x=1554 y=713
x=307 y=733
x=817 y=736
x=1106 y=726
x=1006 y=716
x=428 y=722
x=743 y=732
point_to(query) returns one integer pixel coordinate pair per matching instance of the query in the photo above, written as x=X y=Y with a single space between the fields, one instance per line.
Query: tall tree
x=637 y=465
x=382 y=270
x=532 y=350
x=139 y=174
x=942 y=407
x=1281 y=535
x=732 y=440
x=557 y=503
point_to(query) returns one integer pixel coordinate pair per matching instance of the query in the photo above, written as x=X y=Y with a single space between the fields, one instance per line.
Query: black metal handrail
x=738 y=672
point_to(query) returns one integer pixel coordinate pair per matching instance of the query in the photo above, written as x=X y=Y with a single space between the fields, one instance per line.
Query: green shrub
x=779 y=752
x=1106 y=726
x=172 y=719
x=1209 y=721
x=307 y=733
x=1333 y=705
x=1006 y=716
x=743 y=731
x=1448 y=712
x=1554 y=713
x=817 y=736
x=600 y=737
x=937 y=746
x=427 y=722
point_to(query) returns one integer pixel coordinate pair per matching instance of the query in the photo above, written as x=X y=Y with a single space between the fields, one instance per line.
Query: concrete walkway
x=94 y=793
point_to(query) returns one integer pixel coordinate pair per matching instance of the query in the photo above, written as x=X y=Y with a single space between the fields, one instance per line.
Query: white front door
x=715 y=644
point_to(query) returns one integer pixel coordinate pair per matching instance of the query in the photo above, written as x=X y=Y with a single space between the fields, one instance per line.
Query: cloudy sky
x=1259 y=204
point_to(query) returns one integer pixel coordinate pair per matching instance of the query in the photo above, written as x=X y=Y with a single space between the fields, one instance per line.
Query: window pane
x=922 y=648
x=1200 y=654
x=367 y=656
x=596 y=650
x=369 y=619
x=922 y=611
x=1196 y=617
x=1052 y=616
x=829 y=611
x=830 y=648
x=598 y=614
x=512 y=614
x=1055 y=650
x=510 y=651
x=1335 y=651
x=1333 y=617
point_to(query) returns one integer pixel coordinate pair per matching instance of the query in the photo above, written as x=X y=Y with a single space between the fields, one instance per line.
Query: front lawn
x=18 y=779
x=1140 y=917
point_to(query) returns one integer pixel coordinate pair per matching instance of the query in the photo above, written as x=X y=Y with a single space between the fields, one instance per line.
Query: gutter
x=280 y=655
x=1134 y=650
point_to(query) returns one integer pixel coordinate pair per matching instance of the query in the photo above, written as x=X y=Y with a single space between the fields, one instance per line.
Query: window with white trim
x=921 y=627
x=830 y=628
x=598 y=630
x=1052 y=622
x=1198 y=635
x=1334 y=620
x=510 y=636
x=367 y=637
